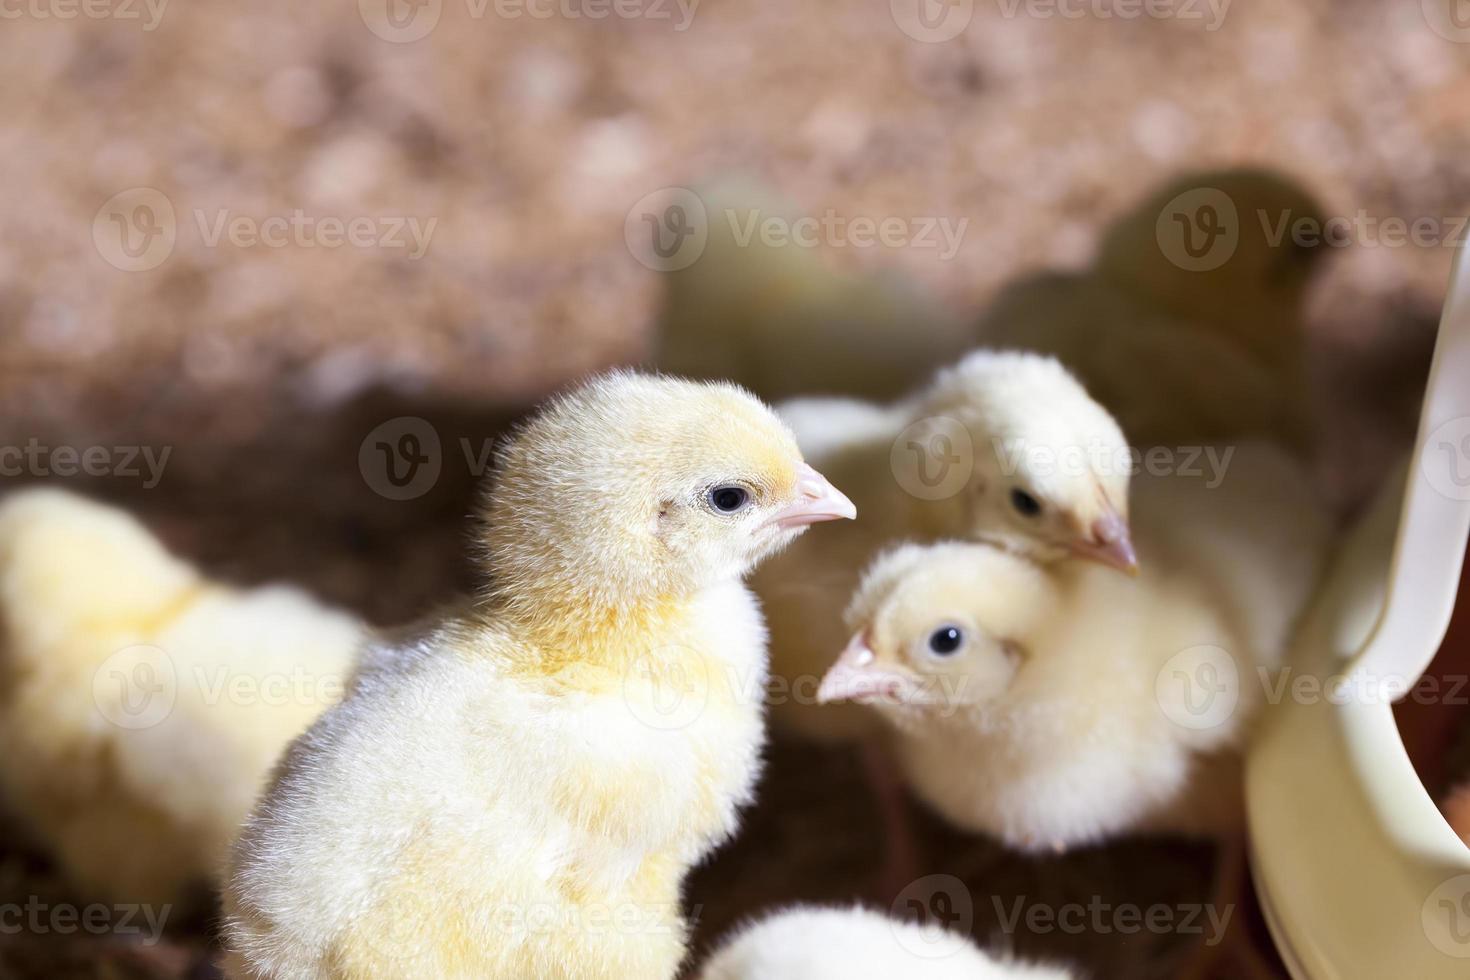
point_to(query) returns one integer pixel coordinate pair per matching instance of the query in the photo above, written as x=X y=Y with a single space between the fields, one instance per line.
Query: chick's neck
x=573 y=614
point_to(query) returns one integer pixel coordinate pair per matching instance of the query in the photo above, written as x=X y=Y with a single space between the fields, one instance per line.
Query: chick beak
x=857 y=676
x=816 y=501
x=1109 y=543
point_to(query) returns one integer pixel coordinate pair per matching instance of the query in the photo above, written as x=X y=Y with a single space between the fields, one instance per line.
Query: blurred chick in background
x=780 y=321
x=1255 y=298
x=141 y=704
x=857 y=944
x=486 y=793
x=1183 y=355
x=1059 y=706
x=1002 y=447
x=1179 y=351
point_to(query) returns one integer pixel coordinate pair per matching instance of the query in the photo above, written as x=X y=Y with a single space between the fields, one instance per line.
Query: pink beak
x=816 y=501
x=856 y=676
x=1109 y=544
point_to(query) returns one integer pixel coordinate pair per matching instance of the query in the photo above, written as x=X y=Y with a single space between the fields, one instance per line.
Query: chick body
x=519 y=792
x=539 y=823
x=1087 y=705
x=143 y=705
x=857 y=944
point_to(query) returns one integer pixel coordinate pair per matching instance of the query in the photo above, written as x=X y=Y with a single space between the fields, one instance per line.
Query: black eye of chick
x=728 y=500
x=1025 y=504
x=946 y=640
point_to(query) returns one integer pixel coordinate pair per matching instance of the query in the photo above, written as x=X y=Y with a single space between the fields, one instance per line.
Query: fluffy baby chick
x=142 y=705
x=774 y=316
x=1002 y=447
x=857 y=944
x=1254 y=296
x=519 y=792
x=1057 y=706
x=1182 y=355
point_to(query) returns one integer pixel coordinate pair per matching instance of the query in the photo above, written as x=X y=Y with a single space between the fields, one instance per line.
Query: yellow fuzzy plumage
x=519 y=791
x=141 y=704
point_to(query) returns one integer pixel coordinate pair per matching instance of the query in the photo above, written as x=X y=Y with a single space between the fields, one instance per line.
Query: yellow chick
x=1002 y=447
x=520 y=791
x=807 y=943
x=142 y=705
x=1057 y=706
x=771 y=314
x=1183 y=353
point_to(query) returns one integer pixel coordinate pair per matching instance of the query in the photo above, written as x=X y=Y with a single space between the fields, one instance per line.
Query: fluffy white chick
x=520 y=792
x=141 y=704
x=806 y=943
x=1060 y=706
x=1016 y=453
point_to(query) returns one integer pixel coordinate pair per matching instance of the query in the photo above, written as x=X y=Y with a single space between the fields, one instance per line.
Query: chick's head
x=1051 y=467
x=939 y=627
x=634 y=488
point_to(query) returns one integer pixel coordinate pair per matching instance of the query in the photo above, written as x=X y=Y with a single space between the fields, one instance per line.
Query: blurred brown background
x=525 y=133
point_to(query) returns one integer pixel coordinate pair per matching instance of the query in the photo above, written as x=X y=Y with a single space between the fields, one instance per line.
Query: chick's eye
x=729 y=500
x=946 y=640
x=1025 y=504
